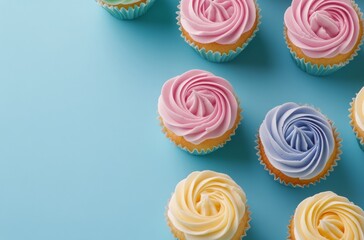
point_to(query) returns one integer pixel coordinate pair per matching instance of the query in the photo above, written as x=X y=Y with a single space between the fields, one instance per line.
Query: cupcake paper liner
x=180 y=236
x=127 y=14
x=361 y=144
x=290 y=233
x=338 y=141
x=354 y=127
x=200 y=152
x=322 y=70
x=215 y=56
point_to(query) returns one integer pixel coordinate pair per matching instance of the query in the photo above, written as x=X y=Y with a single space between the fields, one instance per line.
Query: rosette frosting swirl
x=297 y=140
x=359 y=109
x=328 y=216
x=207 y=206
x=323 y=28
x=198 y=106
x=217 y=21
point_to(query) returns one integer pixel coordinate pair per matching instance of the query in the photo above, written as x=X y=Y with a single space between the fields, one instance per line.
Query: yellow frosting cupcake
x=327 y=216
x=357 y=116
x=208 y=206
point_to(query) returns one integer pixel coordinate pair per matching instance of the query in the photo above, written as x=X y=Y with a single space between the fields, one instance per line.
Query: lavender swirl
x=297 y=140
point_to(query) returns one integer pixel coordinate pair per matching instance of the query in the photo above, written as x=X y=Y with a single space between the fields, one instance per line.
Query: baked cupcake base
x=325 y=66
x=359 y=134
x=218 y=53
x=296 y=182
x=129 y=11
x=206 y=146
x=244 y=226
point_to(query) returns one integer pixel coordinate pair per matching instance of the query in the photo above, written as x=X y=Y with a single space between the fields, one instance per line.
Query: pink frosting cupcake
x=220 y=29
x=323 y=35
x=198 y=111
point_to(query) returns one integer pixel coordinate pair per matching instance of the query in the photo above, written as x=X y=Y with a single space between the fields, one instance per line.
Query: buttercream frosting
x=120 y=2
x=297 y=140
x=217 y=21
x=323 y=28
x=207 y=206
x=328 y=216
x=198 y=106
x=359 y=109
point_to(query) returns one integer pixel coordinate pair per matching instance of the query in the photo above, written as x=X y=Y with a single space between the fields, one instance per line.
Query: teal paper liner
x=127 y=14
x=217 y=57
x=321 y=70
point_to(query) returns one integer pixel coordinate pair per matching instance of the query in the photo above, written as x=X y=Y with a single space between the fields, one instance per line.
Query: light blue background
x=81 y=152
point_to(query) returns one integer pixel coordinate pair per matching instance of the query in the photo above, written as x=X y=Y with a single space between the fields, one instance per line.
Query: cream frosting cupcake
x=219 y=29
x=198 y=111
x=323 y=35
x=208 y=206
x=126 y=9
x=357 y=117
x=297 y=144
x=327 y=216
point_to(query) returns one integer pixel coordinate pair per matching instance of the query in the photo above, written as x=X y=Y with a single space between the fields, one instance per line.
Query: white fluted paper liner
x=127 y=13
x=215 y=56
x=322 y=70
x=338 y=141
x=202 y=151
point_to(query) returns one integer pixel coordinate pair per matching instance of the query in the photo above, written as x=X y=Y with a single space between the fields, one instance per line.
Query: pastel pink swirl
x=198 y=106
x=323 y=28
x=217 y=21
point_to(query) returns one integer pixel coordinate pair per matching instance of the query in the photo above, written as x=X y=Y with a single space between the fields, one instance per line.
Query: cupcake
x=208 y=206
x=327 y=216
x=126 y=9
x=297 y=144
x=218 y=30
x=357 y=117
x=198 y=111
x=323 y=35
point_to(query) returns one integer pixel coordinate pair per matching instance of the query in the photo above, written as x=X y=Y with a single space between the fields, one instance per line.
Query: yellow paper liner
x=206 y=146
x=126 y=6
x=337 y=60
x=358 y=132
x=296 y=182
x=244 y=226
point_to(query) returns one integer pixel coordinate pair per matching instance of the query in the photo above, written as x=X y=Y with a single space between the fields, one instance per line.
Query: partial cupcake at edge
x=218 y=30
x=298 y=145
x=323 y=35
x=208 y=205
x=126 y=9
x=357 y=117
x=198 y=111
x=327 y=216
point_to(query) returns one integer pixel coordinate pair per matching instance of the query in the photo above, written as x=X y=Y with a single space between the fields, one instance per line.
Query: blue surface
x=81 y=153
